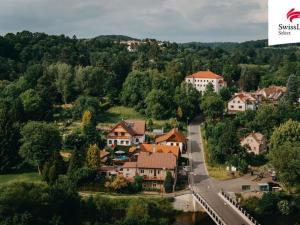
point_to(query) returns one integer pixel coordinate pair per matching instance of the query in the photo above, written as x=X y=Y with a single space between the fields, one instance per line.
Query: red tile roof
x=153 y=148
x=157 y=160
x=244 y=97
x=205 y=74
x=173 y=135
x=130 y=165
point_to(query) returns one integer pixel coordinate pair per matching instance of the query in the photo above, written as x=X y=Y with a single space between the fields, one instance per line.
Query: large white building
x=201 y=79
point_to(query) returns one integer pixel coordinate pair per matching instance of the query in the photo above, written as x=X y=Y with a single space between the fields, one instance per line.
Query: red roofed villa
x=153 y=167
x=202 y=78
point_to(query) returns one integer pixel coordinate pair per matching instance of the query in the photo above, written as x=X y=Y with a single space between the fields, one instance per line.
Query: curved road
x=205 y=185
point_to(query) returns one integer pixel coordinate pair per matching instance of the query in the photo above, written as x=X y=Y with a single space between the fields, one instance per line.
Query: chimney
x=154 y=148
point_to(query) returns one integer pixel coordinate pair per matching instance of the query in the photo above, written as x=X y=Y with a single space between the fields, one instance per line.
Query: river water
x=193 y=218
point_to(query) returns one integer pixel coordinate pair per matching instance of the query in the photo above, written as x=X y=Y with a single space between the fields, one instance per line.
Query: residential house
x=201 y=79
x=243 y=101
x=173 y=138
x=272 y=93
x=152 y=167
x=127 y=133
x=256 y=143
x=159 y=148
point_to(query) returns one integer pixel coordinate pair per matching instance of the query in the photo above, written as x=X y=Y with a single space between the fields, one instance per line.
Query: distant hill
x=114 y=37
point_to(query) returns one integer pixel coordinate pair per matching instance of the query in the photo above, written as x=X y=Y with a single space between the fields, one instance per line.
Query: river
x=193 y=218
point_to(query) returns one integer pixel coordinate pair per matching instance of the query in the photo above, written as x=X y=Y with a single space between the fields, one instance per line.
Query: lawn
x=117 y=113
x=22 y=177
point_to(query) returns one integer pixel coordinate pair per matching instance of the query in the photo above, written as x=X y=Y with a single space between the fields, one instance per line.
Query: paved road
x=202 y=183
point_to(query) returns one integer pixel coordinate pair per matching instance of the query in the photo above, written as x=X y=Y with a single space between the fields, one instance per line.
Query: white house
x=243 y=101
x=202 y=78
x=127 y=133
x=256 y=143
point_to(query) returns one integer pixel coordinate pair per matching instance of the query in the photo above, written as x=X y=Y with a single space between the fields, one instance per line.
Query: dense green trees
x=212 y=105
x=285 y=152
x=187 y=99
x=10 y=118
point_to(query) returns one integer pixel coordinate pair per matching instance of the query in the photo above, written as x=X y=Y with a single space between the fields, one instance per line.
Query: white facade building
x=127 y=133
x=243 y=101
x=201 y=79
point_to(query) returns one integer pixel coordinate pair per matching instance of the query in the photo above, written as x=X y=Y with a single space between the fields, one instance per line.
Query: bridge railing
x=209 y=209
x=238 y=207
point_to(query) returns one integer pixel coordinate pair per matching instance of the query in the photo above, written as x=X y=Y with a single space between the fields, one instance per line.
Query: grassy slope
x=23 y=177
x=117 y=113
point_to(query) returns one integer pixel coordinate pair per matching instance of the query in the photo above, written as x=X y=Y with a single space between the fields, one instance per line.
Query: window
x=177 y=144
x=122 y=142
x=240 y=107
x=171 y=144
x=109 y=142
x=158 y=171
x=127 y=169
x=232 y=106
x=239 y=102
x=154 y=184
x=122 y=133
x=127 y=142
x=136 y=140
x=142 y=171
x=151 y=171
x=116 y=133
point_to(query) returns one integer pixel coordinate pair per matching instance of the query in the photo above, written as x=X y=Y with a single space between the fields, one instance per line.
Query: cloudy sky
x=173 y=20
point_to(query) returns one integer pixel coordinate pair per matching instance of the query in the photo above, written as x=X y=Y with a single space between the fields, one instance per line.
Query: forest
x=42 y=75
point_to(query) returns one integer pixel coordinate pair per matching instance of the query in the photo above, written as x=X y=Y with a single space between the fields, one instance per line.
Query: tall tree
x=187 y=99
x=64 y=80
x=10 y=118
x=39 y=141
x=93 y=157
x=292 y=89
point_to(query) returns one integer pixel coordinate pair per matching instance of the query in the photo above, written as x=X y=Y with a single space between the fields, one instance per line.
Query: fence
x=239 y=208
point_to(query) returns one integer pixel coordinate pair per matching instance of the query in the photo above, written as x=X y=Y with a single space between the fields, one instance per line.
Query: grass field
x=117 y=113
x=22 y=177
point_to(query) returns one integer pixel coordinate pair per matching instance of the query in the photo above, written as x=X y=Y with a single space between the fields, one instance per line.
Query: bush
x=83 y=176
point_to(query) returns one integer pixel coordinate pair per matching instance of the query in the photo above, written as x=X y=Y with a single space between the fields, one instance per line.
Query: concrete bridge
x=209 y=192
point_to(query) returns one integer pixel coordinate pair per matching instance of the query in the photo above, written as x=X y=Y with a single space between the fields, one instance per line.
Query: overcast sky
x=172 y=20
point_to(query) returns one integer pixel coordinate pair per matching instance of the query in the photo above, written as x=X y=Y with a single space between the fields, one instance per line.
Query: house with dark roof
x=126 y=133
x=272 y=93
x=201 y=79
x=152 y=167
x=173 y=138
x=255 y=142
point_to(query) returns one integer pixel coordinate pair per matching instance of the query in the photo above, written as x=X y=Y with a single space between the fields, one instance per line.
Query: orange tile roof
x=244 y=96
x=153 y=148
x=130 y=165
x=103 y=154
x=173 y=135
x=205 y=74
x=157 y=160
